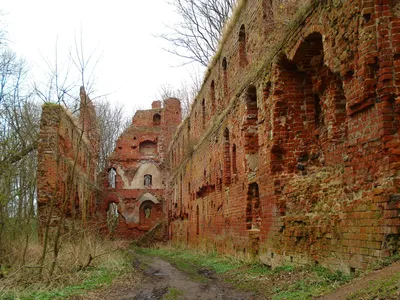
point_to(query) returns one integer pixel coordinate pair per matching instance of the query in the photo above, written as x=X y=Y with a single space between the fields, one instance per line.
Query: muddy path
x=158 y=279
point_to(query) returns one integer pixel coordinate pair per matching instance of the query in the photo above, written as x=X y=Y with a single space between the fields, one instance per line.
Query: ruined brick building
x=135 y=181
x=291 y=151
x=67 y=159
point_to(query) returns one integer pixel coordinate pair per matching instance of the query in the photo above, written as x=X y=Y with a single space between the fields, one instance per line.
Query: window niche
x=227 y=158
x=212 y=96
x=148 y=147
x=112 y=178
x=112 y=217
x=148 y=180
x=147 y=209
x=242 y=46
x=225 y=79
x=234 y=163
x=203 y=112
x=253 y=208
x=157 y=119
x=267 y=16
x=250 y=125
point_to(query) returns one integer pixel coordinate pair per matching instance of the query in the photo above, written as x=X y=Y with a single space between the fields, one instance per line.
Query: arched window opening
x=112 y=178
x=234 y=165
x=311 y=96
x=112 y=217
x=242 y=46
x=148 y=147
x=203 y=109
x=227 y=158
x=267 y=15
x=148 y=180
x=225 y=74
x=253 y=208
x=197 y=220
x=147 y=208
x=251 y=98
x=250 y=125
x=212 y=96
x=156 y=119
x=180 y=194
x=149 y=214
x=224 y=64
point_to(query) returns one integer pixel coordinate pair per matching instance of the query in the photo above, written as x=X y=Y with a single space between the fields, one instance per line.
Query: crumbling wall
x=67 y=158
x=291 y=150
x=135 y=178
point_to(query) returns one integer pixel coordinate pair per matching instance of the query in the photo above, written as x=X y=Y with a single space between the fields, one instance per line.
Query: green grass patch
x=388 y=288
x=284 y=282
x=173 y=294
x=386 y=261
x=309 y=282
x=187 y=260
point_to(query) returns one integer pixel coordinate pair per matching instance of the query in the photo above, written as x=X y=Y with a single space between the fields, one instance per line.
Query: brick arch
x=307 y=32
x=107 y=200
x=111 y=198
x=326 y=43
x=309 y=109
x=147 y=168
x=150 y=211
x=148 y=197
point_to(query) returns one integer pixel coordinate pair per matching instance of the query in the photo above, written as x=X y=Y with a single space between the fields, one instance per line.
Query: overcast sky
x=132 y=64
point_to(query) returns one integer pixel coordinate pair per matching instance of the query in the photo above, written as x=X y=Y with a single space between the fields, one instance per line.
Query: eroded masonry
x=291 y=151
x=134 y=184
x=67 y=160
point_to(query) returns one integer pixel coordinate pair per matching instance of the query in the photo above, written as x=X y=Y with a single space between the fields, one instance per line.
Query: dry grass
x=77 y=258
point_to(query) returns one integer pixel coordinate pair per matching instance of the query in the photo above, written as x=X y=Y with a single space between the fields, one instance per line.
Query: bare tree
x=195 y=37
x=19 y=119
x=186 y=93
x=111 y=123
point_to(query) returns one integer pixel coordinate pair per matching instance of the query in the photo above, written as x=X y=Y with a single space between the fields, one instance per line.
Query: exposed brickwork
x=67 y=158
x=291 y=150
x=138 y=161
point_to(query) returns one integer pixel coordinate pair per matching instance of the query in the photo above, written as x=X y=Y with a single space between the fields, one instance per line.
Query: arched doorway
x=112 y=217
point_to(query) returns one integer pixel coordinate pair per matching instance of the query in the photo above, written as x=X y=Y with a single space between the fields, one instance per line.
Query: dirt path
x=160 y=280
x=362 y=283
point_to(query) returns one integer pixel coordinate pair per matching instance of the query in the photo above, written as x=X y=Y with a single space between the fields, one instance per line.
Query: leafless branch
x=195 y=38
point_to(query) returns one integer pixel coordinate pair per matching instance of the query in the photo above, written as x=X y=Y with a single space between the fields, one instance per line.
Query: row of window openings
x=251 y=107
x=242 y=62
x=112 y=179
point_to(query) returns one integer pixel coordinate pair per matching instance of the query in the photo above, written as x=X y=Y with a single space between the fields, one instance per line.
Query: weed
x=388 y=288
x=74 y=275
x=386 y=261
x=284 y=268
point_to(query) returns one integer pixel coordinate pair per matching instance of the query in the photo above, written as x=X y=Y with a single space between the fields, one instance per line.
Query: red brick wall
x=321 y=145
x=67 y=158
